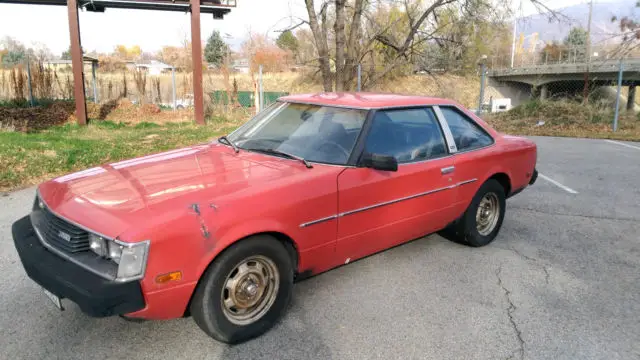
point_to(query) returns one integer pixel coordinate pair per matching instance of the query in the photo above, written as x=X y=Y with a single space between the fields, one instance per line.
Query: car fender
x=489 y=173
x=225 y=237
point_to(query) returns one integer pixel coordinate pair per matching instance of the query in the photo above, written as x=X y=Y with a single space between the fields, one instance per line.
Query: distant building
x=66 y=64
x=57 y=64
x=130 y=65
x=241 y=66
x=153 y=67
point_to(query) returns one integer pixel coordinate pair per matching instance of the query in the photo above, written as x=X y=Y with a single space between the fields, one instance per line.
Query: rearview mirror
x=380 y=162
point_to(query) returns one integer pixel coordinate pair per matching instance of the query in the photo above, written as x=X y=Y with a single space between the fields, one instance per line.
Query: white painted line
x=563 y=187
x=623 y=144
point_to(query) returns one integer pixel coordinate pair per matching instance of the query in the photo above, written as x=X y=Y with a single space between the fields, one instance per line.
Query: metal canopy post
x=77 y=62
x=173 y=87
x=29 y=79
x=196 y=56
x=617 y=111
x=95 y=86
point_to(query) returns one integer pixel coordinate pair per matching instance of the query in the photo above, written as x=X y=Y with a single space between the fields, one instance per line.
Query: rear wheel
x=245 y=290
x=480 y=224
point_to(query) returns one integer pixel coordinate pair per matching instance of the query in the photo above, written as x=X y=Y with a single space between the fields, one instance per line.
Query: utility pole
x=513 y=40
x=585 y=93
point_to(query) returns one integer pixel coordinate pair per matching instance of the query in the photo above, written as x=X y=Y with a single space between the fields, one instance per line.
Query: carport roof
x=216 y=7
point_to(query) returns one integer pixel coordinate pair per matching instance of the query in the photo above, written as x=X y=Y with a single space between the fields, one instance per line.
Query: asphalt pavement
x=561 y=281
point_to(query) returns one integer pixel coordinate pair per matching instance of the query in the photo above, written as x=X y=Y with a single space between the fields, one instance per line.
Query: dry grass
x=464 y=90
x=567 y=119
x=112 y=86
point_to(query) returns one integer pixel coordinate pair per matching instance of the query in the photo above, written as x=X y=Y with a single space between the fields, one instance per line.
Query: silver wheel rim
x=487 y=214
x=250 y=290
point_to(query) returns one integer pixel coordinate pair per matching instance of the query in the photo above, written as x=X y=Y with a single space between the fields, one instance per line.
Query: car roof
x=363 y=100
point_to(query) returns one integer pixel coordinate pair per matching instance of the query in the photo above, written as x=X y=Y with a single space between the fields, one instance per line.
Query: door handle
x=447 y=170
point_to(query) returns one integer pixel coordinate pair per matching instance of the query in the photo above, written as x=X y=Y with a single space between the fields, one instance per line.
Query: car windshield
x=315 y=133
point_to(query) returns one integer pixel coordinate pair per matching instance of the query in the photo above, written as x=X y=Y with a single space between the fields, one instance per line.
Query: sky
x=153 y=29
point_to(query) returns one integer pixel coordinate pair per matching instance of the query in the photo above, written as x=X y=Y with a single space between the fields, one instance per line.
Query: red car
x=220 y=231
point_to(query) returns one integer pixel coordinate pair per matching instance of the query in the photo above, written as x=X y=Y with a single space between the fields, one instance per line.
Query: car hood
x=108 y=199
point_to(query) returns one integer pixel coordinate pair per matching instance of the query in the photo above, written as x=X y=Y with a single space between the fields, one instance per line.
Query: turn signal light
x=172 y=276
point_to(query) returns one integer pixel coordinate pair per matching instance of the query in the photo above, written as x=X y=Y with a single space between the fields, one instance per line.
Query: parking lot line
x=623 y=144
x=563 y=187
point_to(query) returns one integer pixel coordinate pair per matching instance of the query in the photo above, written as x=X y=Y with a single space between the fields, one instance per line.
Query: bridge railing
x=557 y=55
x=605 y=94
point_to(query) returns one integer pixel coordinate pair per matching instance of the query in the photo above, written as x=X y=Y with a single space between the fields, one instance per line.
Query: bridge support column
x=544 y=92
x=631 y=97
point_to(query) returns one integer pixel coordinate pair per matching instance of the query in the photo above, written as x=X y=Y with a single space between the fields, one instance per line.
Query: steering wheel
x=335 y=145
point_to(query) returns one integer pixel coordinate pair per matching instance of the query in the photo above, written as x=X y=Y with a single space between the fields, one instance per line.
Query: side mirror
x=380 y=162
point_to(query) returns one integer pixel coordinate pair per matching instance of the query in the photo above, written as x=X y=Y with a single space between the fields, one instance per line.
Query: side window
x=466 y=133
x=409 y=135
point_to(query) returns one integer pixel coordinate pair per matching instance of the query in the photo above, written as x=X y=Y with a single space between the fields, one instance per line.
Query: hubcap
x=250 y=289
x=487 y=214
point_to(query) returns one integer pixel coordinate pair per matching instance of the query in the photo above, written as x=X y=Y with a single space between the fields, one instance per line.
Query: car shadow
x=295 y=337
x=73 y=335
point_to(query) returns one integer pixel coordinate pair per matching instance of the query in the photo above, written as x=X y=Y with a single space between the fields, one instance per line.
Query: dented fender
x=225 y=236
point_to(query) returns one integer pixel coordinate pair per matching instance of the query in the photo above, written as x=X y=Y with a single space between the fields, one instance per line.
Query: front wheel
x=480 y=224
x=245 y=290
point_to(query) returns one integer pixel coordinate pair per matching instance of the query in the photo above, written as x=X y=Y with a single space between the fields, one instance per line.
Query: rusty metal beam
x=216 y=7
x=196 y=58
x=76 y=63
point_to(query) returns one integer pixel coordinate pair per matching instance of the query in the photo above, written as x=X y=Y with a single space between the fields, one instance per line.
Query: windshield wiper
x=285 y=154
x=225 y=139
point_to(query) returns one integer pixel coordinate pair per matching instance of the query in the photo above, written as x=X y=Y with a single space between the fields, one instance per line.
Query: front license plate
x=54 y=298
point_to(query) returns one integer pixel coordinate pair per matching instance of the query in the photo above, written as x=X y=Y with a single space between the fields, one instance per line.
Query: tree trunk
x=353 y=48
x=340 y=42
x=320 y=38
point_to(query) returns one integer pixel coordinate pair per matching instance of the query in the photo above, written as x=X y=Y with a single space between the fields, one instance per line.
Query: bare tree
x=320 y=37
x=358 y=34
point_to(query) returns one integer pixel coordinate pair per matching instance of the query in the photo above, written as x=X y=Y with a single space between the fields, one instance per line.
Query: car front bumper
x=95 y=295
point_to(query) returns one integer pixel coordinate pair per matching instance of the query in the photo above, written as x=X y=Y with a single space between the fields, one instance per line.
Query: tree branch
x=384 y=40
x=552 y=14
x=293 y=27
x=416 y=26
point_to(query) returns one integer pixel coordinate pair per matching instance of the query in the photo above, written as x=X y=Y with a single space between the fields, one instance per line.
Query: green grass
x=30 y=158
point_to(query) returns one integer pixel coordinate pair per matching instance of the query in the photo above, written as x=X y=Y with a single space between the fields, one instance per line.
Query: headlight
x=115 y=251
x=98 y=245
x=130 y=257
x=133 y=261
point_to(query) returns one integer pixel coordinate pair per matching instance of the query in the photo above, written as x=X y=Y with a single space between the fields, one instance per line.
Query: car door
x=474 y=153
x=379 y=209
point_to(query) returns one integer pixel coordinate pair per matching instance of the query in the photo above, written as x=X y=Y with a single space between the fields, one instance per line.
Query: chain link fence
x=598 y=90
x=558 y=78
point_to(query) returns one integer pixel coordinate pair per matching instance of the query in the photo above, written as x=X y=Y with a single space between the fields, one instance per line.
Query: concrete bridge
x=542 y=80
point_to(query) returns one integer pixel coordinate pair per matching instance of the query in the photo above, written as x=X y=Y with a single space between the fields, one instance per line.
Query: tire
x=209 y=304
x=180 y=107
x=468 y=230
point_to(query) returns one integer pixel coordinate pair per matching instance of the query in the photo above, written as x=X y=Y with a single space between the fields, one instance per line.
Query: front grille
x=59 y=233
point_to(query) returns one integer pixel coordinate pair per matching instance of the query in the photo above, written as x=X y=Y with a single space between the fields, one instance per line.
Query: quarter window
x=409 y=135
x=466 y=133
